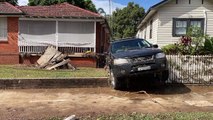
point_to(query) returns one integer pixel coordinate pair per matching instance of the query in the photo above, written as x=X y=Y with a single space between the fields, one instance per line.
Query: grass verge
x=161 y=116
x=11 y=72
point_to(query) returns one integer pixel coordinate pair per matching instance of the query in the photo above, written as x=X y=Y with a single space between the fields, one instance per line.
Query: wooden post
x=56 y=35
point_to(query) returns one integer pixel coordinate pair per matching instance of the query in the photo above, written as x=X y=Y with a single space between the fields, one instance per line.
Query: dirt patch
x=45 y=103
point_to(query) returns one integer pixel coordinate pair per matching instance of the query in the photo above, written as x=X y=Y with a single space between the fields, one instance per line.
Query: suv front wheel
x=114 y=81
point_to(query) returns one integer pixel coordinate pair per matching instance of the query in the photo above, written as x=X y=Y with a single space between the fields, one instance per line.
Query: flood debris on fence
x=52 y=59
x=190 y=69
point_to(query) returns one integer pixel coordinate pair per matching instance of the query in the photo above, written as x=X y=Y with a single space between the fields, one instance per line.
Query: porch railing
x=65 y=50
x=38 y=48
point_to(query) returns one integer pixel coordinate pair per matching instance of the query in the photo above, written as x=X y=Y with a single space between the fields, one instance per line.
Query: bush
x=208 y=45
x=194 y=43
x=170 y=49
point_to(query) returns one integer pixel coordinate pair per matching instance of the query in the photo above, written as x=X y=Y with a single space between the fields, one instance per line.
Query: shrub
x=170 y=49
x=194 y=43
x=208 y=45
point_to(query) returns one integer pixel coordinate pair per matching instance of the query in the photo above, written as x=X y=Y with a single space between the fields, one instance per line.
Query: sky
x=115 y=3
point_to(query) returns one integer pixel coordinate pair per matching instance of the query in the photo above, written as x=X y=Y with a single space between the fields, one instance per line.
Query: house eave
x=152 y=10
x=12 y=14
x=62 y=18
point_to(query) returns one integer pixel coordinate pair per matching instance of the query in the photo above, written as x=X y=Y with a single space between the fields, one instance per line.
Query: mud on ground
x=45 y=103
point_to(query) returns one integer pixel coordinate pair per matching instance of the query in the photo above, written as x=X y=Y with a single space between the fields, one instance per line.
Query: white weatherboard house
x=166 y=21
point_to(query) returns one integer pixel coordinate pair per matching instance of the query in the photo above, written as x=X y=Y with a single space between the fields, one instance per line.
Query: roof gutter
x=11 y=13
x=151 y=9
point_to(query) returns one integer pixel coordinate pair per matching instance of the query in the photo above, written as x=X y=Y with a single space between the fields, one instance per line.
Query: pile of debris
x=52 y=59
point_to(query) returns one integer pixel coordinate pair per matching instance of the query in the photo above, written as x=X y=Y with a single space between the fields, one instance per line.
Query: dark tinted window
x=129 y=45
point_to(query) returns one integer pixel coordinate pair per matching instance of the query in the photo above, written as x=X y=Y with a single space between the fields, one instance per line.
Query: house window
x=151 y=28
x=3 y=29
x=181 y=25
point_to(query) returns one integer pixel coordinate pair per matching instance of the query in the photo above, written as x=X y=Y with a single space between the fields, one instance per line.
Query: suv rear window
x=129 y=45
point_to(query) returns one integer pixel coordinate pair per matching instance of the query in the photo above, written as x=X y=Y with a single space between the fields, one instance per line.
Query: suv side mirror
x=155 y=46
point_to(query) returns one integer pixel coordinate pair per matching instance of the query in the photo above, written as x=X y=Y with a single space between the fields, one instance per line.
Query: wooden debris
x=59 y=64
x=72 y=117
x=52 y=59
x=47 y=56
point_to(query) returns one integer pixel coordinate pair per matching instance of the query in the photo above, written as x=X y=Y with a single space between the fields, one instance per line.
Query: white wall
x=146 y=30
x=182 y=10
x=163 y=19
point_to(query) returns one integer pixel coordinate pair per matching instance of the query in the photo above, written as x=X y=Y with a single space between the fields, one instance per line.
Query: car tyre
x=165 y=76
x=114 y=81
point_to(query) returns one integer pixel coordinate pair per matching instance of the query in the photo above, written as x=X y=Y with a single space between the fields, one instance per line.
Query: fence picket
x=190 y=69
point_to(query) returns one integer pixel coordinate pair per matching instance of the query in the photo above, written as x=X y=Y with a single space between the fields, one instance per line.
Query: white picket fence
x=190 y=69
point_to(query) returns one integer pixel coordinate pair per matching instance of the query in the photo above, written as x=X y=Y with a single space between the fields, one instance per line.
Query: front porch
x=71 y=37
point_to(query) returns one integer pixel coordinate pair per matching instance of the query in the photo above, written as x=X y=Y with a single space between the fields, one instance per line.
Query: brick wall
x=78 y=62
x=9 y=53
x=83 y=62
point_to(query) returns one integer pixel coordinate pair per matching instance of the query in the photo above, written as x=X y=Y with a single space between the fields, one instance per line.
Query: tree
x=125 y=21
x=13 y=2
x=85 y=4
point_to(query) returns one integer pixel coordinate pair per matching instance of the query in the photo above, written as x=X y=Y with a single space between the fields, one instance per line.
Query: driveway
x=45 y=103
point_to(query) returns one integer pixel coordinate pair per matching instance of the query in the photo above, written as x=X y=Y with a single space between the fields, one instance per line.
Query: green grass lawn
x=8 y=71
x=162 y=116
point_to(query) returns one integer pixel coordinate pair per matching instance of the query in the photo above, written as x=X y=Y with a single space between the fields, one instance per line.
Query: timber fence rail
x=190 y=69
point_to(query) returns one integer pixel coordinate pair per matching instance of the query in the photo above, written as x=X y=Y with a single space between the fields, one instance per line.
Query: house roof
x=62 y=10
x=152 y=10
x=8 y=9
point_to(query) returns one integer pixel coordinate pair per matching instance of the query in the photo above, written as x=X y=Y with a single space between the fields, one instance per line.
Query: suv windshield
x=129 y=45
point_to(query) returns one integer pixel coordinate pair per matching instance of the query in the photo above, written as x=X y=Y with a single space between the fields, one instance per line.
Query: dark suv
x=134 y=57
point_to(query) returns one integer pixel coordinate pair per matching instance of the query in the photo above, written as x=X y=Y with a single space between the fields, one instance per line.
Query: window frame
x=188 y=20
x=5 y=29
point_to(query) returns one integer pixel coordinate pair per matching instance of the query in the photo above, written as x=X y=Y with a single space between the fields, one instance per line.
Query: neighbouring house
x=72 y=30
x=167 y=21
x=9 y=17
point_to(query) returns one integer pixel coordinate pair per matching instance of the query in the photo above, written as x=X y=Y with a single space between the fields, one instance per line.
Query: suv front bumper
x=130 y=70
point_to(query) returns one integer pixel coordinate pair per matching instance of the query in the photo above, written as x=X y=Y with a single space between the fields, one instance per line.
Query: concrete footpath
x=53 y=83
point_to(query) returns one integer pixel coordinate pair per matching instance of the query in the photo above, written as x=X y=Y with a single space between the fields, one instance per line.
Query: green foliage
x=125 y=21
x=13 y=2
x=85 y=4
x=208 y=45
x=170 y=49
x=55 y=118
x=164 y=116
x=198 y=39
x=194 y=43
x=7 y=71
